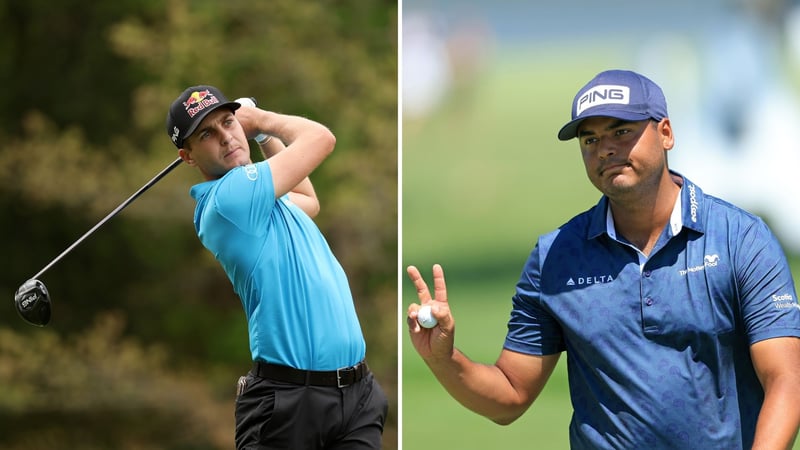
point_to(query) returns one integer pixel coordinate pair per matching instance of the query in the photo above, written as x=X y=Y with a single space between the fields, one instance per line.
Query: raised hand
x=436 y=342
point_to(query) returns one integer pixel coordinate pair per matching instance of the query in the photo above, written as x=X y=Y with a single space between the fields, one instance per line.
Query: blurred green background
x=147 y=338
x=483 y=175
x=482 y=179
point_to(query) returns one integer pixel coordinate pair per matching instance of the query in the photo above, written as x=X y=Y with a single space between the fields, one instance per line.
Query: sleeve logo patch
x=784 y=301
x=251 y=171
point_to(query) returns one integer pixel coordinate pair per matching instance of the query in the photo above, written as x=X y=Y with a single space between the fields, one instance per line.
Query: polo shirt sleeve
x=768 y=298
x=531 y=328
x=246 y=197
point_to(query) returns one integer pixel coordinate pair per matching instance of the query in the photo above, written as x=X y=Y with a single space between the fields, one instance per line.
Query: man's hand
x=431 y=343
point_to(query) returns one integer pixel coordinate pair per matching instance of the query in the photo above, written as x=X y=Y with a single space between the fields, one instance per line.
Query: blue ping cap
x=621 y=94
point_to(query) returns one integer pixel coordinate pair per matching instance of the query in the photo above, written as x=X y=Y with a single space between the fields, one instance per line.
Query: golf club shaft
x=113 y=213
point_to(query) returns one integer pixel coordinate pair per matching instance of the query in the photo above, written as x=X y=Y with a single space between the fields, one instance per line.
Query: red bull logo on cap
x=198 y=101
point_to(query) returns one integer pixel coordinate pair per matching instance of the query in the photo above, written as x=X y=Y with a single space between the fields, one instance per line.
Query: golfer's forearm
x=292 y=130
x=779 y=418
x=484 y=389
x=271 y=146
x=308 y=143
x=303 y=195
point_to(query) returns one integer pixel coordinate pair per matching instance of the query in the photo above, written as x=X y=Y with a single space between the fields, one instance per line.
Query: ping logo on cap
x=603 y=94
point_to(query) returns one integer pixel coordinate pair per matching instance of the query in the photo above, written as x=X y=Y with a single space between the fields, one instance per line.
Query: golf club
x=32 y=299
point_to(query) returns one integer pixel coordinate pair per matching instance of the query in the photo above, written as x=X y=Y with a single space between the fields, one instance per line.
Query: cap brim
x=570 y=130
x=233 y=106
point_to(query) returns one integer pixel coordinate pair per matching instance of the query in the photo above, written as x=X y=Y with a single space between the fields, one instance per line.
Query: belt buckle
x=339 y=373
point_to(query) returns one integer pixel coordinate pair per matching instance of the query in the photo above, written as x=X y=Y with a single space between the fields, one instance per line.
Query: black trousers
x=278 y=415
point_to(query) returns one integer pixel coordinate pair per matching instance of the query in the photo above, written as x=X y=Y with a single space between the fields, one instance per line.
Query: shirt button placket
x=648 y=314
x=647 y=300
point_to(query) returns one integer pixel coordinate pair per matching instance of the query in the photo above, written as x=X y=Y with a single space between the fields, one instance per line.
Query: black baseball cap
x=191 y=107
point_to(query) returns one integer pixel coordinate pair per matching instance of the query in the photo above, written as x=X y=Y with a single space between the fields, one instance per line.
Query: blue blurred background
x=729 y=69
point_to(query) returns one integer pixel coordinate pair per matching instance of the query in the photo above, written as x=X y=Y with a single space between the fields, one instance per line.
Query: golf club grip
x=261 y=138
x=113 y=213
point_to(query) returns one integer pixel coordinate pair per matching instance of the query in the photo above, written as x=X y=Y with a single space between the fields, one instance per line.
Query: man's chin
x=618 y=183
x=237 y=159
x=223 y=169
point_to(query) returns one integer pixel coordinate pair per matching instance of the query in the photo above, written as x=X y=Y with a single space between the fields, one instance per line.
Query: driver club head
x=33 y=303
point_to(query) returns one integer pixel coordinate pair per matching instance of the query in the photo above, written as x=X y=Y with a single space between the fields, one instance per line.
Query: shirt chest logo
x=587 y=280
x=708 y=261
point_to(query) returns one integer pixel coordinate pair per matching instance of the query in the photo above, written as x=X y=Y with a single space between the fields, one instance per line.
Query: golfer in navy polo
x=677 y=310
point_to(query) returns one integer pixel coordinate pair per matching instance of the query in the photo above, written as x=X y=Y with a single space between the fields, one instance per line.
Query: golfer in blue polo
x=310 y=386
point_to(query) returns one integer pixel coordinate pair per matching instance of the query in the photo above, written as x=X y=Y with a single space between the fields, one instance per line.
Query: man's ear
x=186 y=156
x=665 y=134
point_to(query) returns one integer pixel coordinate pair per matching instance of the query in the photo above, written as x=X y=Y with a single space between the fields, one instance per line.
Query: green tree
x=147 y=332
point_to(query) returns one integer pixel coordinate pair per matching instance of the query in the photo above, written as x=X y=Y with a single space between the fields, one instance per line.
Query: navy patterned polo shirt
x=658 y=348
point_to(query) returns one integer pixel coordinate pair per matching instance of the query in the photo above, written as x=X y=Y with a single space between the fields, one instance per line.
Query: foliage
x=103 y=378
x=84 y=128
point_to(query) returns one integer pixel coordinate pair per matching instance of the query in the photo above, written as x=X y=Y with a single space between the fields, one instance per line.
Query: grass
x=434 y=420
x=482 y=179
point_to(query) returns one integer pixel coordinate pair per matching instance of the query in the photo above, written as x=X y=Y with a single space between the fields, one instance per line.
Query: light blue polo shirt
x=658 y=348
x=295 y=294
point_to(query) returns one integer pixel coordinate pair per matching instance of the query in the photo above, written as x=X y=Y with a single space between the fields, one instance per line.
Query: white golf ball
x=425 y=318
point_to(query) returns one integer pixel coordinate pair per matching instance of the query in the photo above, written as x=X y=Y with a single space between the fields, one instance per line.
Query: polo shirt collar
x=692 y=205
x=686 y=212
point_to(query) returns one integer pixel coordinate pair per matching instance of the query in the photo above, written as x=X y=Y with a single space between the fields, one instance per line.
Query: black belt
x=339 y=378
